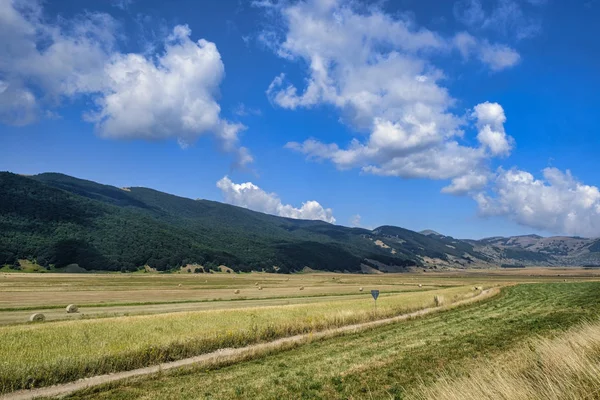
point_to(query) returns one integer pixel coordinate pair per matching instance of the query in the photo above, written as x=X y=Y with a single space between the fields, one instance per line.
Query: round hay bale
x=260 y=288
x=237 y=291
x=37 y=317
x=360 y=290
x=420 y=285
x=255 y=283
x=72 y=308
x=301 y=287
x=179 y=285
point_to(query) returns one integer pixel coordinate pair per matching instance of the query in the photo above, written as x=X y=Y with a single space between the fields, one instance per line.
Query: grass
x=166 y=303
x=42 y=354
x=33 y=291
x=386 y=362
x=20 y=290
x=565 y=367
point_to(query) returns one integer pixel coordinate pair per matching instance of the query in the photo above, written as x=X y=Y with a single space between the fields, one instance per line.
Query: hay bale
x=37 y=317
x=179 y=285
x=438 y=300
x=420 y=285
x=237 y=291
x=301 y=287
x=72 y=308
x=260 y=288
x=360 y=290
x=255 y=283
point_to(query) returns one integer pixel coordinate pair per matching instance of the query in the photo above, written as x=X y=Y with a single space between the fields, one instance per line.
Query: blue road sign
x=375 y=294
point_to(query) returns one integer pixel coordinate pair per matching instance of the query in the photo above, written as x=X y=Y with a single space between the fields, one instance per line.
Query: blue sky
x=472 y=118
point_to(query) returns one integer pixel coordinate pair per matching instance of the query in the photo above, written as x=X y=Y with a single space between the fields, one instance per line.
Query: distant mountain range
x=58 y=220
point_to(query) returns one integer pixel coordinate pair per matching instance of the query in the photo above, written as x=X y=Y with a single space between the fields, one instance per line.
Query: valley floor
x=387 y=362
x=414 y=358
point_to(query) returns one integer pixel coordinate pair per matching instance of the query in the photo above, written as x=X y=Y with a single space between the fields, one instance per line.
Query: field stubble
x=386 y=362
x=43 y=354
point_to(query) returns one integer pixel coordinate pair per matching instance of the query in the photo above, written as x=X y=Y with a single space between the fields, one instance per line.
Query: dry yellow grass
x=565 y=367
x=55 y=352
x=43 y=290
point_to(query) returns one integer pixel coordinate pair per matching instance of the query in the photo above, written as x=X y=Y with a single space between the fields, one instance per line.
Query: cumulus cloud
x=472 y=182
x=42 y=62
x=490 y=122
x=172 y=96
x=557 y=203
x=384 y=85
x=150 y=96
x=250 y=196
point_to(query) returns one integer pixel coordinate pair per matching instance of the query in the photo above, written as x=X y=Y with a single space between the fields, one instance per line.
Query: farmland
x=129 y=321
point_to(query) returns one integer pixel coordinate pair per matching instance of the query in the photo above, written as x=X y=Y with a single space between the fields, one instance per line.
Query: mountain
x=535 y=249
x=429 y=232
x=60 y=220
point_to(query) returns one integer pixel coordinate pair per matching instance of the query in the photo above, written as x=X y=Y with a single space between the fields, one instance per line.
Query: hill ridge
x=58 y=220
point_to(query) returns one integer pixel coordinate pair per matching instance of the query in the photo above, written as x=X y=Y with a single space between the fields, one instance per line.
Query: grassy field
x=35 y=357
x=564 y=367
x=30 y=291
x=18 y=291
x=192 y=314
x=386 y=362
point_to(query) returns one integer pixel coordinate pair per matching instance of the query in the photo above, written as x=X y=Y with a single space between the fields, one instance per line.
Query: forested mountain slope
x=60 y=220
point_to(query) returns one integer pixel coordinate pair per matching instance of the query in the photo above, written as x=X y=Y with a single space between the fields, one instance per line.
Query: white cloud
x=250 y=196
x=46 y=62
x=496 y=56
x=557 y=203
x=490 y=122
x=242 y=110
x=502 y=16
x=148 y=96
x=382 y=84
x=122 y=4
x=355 y=220
x=471 y=182
x=173 y=96
x=18 y=105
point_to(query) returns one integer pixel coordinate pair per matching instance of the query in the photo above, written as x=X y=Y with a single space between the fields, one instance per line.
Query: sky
x=474 y=118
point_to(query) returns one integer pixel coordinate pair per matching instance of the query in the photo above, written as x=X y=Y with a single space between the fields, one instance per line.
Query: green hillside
x=59 y=220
